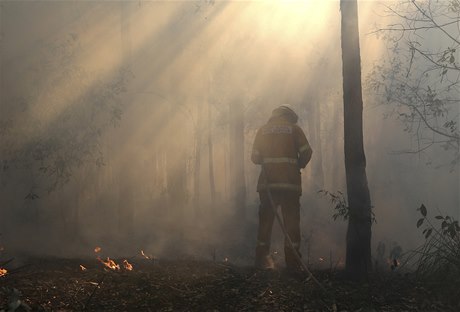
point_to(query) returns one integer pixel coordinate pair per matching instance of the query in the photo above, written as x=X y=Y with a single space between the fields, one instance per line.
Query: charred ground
x=195 y=285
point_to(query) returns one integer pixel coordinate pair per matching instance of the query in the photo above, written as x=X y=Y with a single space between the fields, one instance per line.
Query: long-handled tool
x=291 y=245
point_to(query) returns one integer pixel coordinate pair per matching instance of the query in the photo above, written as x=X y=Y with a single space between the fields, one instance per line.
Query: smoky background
x=129 y=125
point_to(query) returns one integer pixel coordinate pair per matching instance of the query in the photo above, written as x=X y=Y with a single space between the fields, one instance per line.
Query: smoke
x=106 y=107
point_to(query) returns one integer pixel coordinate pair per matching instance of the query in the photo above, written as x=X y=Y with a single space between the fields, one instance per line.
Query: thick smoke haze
x=117 y=127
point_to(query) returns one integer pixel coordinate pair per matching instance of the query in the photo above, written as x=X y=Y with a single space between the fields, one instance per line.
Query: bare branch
x=455 y=137
x=412 y=151
x=404 y=29
x=431 y=60
x=434 y=22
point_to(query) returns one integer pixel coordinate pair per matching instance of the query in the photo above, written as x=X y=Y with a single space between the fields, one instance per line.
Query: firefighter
x=282 y=149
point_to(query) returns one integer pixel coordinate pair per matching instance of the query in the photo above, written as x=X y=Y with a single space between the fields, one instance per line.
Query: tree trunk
x=358 y=257
x=236 y=161
x=314 y=126
x=125 y=174
x=197 y=167
x=177 y=191
x=212 y=184
x=125 y=201
x=125 y=34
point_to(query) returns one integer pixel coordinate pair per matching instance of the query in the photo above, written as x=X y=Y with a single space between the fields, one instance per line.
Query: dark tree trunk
x=336 y=183
x=236 y=161
x=358 y=258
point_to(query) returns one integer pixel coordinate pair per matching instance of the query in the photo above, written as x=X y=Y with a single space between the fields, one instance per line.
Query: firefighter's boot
x=263 y=259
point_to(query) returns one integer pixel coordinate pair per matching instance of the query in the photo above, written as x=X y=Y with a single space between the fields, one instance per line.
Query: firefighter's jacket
x=282 y=149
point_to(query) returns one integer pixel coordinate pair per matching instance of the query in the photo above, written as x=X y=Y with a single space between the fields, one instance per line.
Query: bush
x=438 y=258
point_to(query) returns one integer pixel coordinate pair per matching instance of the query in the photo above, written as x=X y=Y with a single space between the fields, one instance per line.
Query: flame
x=144 y=255
x=225 y=259
x=97 y=249
x=127 y=266
x=3 y=272
x=109 y=263
x=321 y=259
x=82 y=268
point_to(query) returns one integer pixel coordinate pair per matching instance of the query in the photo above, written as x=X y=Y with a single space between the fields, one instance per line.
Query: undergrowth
x=437 y=260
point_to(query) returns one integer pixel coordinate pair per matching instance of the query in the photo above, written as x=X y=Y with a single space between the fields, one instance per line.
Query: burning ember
x=127 y=266
x=3 y=272
x=109 y=263
x=82 y=268
x=394 y=264
x=145 y=256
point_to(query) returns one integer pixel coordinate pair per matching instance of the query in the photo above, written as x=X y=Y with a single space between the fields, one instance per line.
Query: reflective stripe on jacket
x=282 y=149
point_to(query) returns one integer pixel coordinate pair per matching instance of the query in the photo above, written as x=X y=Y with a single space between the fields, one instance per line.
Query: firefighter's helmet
x=285 y=111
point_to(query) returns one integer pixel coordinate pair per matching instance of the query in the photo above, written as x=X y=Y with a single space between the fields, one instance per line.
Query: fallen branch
x=85 y=306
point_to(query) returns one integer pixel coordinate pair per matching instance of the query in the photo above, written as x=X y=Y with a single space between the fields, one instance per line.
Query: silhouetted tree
x=236 y=158
x=212 y=184
x=420 y=78
x=358 y=252
x=126 y=178
x=197 y=159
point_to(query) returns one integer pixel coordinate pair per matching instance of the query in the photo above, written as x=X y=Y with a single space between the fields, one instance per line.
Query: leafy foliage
x=340 y=206
x=438 y=259
x=419 y=80
x=56 y=124
x=339 y=203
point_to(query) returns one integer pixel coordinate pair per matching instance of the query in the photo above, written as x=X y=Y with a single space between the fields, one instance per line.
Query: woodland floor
x=191 y=285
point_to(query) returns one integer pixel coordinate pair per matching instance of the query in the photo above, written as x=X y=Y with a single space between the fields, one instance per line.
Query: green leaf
x=420 y=222
x=444 y=224
x=428 y=233
x=452 y=232
x=457 y=227
x=423 y=210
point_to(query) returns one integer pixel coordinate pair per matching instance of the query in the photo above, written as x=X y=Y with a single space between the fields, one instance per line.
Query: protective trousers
x=290 y=209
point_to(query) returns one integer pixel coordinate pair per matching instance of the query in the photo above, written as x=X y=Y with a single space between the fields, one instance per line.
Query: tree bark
x=358 y=252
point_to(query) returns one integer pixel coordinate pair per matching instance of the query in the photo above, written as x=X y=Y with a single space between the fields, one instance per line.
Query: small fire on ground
x=109 y=263
x=127 y=266
x=3 y=272
x=82 y=268
x=145 y=256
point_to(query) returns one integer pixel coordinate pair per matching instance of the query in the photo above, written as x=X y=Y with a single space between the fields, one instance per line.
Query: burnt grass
x=193 y=285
